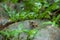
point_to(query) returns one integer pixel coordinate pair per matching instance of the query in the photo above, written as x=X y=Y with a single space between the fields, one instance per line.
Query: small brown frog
x=33 y=24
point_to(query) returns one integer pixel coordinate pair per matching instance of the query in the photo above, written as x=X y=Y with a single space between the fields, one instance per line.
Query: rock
x=23 y=36
x=3 y=21
x=1 y=37
x=47 y=33
x=25 y=24
x=42 y=34
x=50 y=33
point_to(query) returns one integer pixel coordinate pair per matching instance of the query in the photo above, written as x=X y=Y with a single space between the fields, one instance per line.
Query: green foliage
x=32 y=33
x=8 y=33
x=2 y=0
x=12 y=33
x=14 y=1
x=30 y=9
x=50 y=23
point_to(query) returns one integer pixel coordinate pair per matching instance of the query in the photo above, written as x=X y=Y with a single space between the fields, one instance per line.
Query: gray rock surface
x=47 y=33
x=1 y=37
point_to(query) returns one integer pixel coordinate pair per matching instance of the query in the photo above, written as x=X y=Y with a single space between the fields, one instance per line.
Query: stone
x=49 y=33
